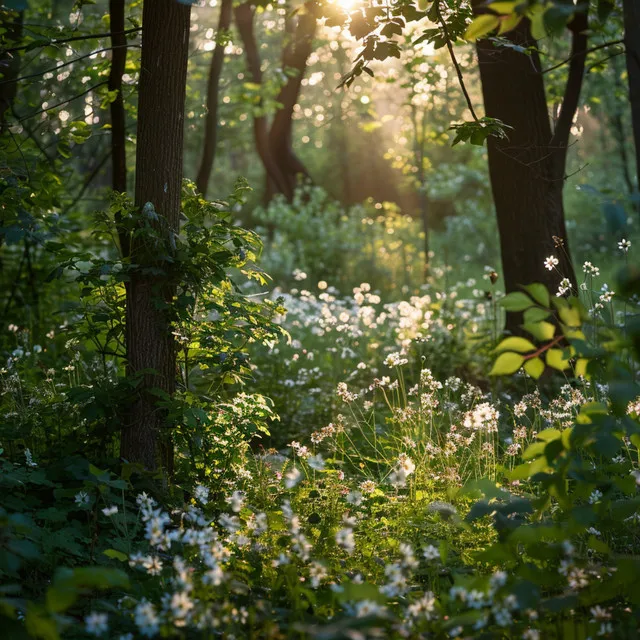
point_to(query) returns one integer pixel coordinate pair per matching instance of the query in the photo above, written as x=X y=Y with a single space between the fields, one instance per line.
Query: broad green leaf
x=509 y=22
x=516 y=301
x=116 y=555
x=549 y=434
x=506 y=364
x=534 y=450
x=581 y=367
x=556 y=359
x=539 y=293
x=535 y=314
x=538 y=28
x=39 y=625
x=528 y=469
x=534 y=367
x=570 y=312
x=513 y=343
x=481 y=26
x=543 y=331
x=68 y=584
x=504 y=8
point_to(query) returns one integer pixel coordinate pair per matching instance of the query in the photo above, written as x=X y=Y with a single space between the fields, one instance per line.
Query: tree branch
x=91 y=36
x=244 y=21
x=454 y=60
x=604 y=45
x=66 y=64
x=211 y=123
x=59 y=104
x=578 y=28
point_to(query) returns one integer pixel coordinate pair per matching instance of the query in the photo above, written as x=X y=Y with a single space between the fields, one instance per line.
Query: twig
x=91 y=36
x=65 y=64
x=88 y=181
x=588 y=51
x=59 y=104
x=447 y=38
x=599 y=62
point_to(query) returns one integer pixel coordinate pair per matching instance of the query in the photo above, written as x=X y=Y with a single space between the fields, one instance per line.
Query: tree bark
x=118 y=124
x=116 y=108
x=244 y=21
x=527 y=170
x=294 y=58
x=274 y=145
x=211 y=123
x=631 y=10
x=151 y=349
x=11 y=22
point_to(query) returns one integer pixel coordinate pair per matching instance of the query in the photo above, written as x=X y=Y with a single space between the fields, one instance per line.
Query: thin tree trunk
x=211 y=123
x=274 y=145
x=614 y=110
x=11 y=23
x=294 y=56
x=528 y=169
x=274 y=177
x=150 y=343
x=117 y=112
x=631 y=10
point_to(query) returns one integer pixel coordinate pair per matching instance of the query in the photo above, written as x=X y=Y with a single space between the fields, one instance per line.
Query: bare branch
x=90 y=36
x=447 y=38
x=604 y=45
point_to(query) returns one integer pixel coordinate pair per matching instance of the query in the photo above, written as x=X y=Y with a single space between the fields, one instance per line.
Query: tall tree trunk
x=527 y=170
x=632 y=45
x=11 y=23
x=117 y=112
x=275 y=179
x=150 y=343
x=274 y=145
x=211 y=123
x=614 y=110
x=294 y=58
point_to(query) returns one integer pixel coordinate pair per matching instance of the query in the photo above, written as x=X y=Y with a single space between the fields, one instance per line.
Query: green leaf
x=39 y=625
x=509 y=23
x=534 y=367
x=481 y=26
x=506 y=364
x=68 y=584
x=581 y=367
x=504 y=8
x=535 y=314
x=516 y=301
x=528 y=469
x=539 y=293
x=513 y=343
x=538 y=28
x=543 y=331
x=555 y=359
x=116 y=555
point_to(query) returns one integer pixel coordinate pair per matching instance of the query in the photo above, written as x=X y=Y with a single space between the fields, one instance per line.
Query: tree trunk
x=117 y=112
x=632 y=45
x=294 y=57
x=274 y=145
x=527 y=170
x=614 y=110
x=151 y=350
x=211 y=124
x=11 y=23
x=275 y=180
x=118 y=125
